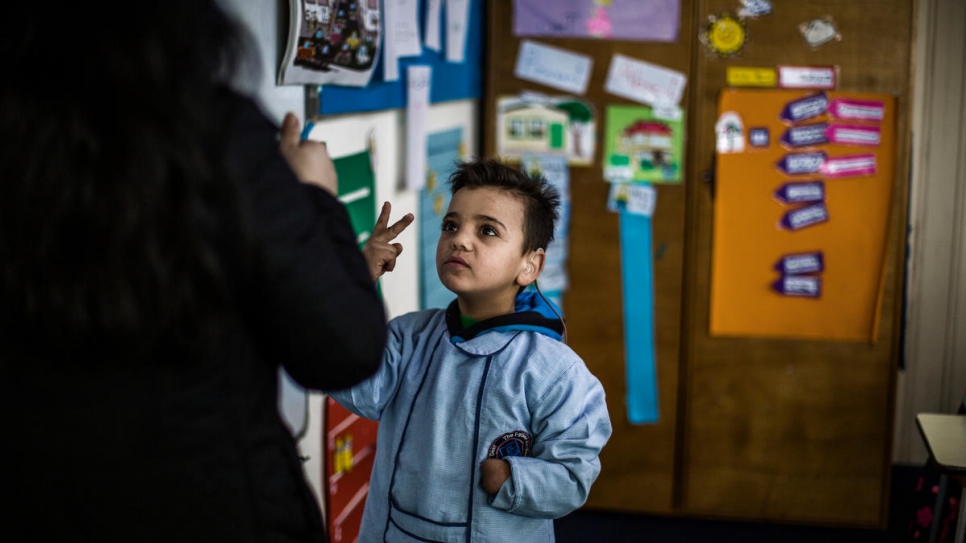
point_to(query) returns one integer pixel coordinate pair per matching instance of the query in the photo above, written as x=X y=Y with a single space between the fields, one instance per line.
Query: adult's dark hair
x=540 y=199
x=114 y=187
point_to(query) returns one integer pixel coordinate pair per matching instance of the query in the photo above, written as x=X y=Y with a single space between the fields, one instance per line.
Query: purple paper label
x=849 y=166
x=801 y=263
x=795 y=285
x=808 y=107
x=802 y=163
x=758 y=136
x=870 y=136
x=803 y=217
x=860 y=110
x=654 y=20
x=803 y=136
x=794 y=193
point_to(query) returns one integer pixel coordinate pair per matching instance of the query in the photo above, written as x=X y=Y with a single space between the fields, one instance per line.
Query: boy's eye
x=488 y=231
x=449 y=226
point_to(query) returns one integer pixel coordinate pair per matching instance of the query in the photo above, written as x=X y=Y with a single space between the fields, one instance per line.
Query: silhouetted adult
x=163 y=250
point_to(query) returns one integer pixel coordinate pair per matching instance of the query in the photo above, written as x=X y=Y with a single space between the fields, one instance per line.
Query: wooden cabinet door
x=779 y=430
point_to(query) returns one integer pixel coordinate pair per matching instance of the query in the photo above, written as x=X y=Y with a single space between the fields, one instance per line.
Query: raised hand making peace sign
x=379 y=252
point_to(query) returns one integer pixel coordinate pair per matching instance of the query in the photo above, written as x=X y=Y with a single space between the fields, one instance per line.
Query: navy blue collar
x=533 y=313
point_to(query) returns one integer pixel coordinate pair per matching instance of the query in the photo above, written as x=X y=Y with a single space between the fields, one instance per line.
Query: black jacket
x=162 y=449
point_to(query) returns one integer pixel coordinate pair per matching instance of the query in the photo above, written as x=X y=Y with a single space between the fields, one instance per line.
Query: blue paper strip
x=637 y=273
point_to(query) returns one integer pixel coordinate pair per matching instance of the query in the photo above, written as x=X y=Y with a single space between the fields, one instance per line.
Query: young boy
x=490 y=426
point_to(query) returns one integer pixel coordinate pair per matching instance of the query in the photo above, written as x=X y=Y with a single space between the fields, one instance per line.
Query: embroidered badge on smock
x=516 y=443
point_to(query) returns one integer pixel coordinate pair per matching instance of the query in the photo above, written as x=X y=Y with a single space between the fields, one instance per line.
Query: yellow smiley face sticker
x=725 y=35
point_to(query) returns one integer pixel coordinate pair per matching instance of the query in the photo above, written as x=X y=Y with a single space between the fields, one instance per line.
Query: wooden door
x=779 y=430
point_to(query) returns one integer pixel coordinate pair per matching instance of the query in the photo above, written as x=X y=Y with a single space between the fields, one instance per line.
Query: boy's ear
x=532 y=268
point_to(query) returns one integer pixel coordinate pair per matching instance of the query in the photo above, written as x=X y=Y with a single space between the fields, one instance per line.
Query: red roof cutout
x=648 y=127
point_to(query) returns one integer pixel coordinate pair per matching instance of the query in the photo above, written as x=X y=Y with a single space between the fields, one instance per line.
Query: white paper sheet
x=639 y=199
x=554 y=278
x=432 y=38
x=457 y=21
x=401 y=23
x=417 y=109
x=644 y=82
x=553 y=67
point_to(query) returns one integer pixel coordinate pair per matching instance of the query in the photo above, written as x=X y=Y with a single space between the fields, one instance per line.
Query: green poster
x=357 y=192
x=640 y=146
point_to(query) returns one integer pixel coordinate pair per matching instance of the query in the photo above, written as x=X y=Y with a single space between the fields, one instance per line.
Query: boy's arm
x=369 y=398
x=571 y=426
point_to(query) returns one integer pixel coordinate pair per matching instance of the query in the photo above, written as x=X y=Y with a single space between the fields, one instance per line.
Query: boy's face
x=479 y=256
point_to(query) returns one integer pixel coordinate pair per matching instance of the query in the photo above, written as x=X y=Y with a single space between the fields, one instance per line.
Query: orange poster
x=801 y=205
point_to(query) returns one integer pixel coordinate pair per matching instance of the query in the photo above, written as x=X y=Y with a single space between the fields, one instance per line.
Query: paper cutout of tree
x=580 y=115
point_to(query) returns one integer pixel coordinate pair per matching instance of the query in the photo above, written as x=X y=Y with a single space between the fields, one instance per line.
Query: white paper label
x=644 y=82
x=806 y=77
x=553 y=67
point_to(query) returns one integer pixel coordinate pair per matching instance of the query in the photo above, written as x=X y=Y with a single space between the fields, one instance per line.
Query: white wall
x=263 y=21
x=934 y=380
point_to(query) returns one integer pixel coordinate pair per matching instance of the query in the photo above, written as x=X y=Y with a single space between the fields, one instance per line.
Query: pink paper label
x=849 y=166
x=860 y=110
x=869 y=136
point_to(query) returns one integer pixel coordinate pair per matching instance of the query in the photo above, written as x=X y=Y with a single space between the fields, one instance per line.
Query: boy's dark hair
x=540 y=199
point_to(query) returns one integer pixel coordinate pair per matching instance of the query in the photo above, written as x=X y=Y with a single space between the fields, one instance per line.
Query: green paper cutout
x=357 y=192
x=641 y=147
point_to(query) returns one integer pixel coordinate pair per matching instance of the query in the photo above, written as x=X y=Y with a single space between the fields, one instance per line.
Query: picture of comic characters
x=341 y=33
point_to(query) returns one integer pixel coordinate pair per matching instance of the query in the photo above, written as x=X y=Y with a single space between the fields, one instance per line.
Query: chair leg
x=937 y=509
x=961 y=520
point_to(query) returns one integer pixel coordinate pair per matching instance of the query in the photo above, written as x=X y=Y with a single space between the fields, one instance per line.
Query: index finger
x=382 y=220
x=400 y=225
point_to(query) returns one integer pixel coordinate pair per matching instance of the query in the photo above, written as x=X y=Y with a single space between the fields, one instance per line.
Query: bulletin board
x=450 y=80
x=781 y=429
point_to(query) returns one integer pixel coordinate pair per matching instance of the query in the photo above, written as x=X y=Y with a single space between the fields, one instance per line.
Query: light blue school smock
x=448 y=398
